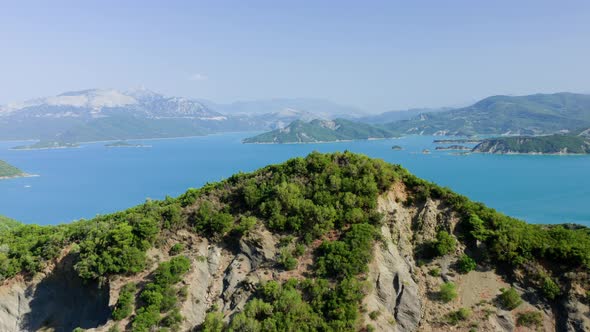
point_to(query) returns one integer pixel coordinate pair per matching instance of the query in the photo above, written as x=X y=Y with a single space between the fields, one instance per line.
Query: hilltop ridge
x=327 y=242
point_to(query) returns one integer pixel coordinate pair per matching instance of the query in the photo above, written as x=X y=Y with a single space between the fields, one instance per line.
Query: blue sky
x=378 y=55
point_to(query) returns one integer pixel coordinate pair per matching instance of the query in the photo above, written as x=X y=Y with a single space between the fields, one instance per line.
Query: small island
x=124 y=144
x=457 y=141
x=453 y=148
x=425 y=151
x=558 y=144
x=396 y=148
x=8 y=171
x=46 y=145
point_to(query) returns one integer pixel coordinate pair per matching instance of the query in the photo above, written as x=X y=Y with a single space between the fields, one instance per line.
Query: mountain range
x=107 y=114
x=300 y=131
x=505 y=115
x=539 y=114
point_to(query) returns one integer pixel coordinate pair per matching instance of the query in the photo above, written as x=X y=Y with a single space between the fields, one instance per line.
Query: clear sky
x=378 y=55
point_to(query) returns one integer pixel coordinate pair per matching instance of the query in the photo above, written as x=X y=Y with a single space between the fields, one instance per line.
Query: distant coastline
x=41 y=145
x=23 y=175
x=124 y=144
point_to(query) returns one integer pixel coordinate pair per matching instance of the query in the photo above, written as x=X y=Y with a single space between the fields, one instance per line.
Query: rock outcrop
x=56 y=300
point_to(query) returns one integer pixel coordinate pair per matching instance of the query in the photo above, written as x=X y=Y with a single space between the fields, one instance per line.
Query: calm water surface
x=93 y=179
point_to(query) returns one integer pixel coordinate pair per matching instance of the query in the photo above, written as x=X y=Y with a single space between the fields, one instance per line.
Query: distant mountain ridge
x=96 y=103
x=505 y=115
x=108 y=114
x=575 y=143
x=392 y=116
x=321 y=131
x=539 y=114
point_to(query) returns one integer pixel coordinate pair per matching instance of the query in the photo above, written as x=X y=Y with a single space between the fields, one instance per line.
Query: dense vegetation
x=7 y=224
x=326 y=199
x=551 y=144
x=525 y=115
x=321 y=131
x=7 y=170
x=514 y=243
x=529 y=318
x=160 y=297
x=509 y=299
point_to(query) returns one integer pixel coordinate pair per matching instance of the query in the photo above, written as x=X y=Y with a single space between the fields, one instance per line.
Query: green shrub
x=447 y=292
x=145 y=319
x=349 y=256
x=299 y=250
x=114 y=328
x=445 y=243
x=246 y=225
x=210 y=222
x=125 y=303
x=529 y=318
x=112 y=250
x=550 y=289
x=170 y=272
x=160 y=296
x=374 y=314
x=465 y=264
x=457 y=316
x=176 y=249
x=435 y=272
x=509 y=299
x=286 y=259
x=172 y=320
x=213 y=322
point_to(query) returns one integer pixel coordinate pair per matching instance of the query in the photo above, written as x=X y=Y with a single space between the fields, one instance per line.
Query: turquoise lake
x=93 y=179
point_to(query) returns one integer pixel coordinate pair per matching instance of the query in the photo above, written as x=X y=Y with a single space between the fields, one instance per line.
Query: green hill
x=321 y=131
x=299 y=246
x=550 y=144
x=521 y=115
x=7 y=170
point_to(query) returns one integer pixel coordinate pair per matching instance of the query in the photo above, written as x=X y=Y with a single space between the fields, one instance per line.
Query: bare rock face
x=197 y=281
x=13 y=303
x=58 y=300
x=503 y=321
x=576 y=315
x=396 y=295
x=258 y=246
x=226 y=277
x=426 y=222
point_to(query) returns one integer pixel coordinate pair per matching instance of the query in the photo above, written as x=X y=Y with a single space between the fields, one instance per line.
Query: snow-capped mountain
x=106 y=114
x=98 y=103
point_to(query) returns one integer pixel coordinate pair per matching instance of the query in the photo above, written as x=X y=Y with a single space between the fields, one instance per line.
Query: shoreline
x=47 y=148
x=23 y=175
x=324 y=142
x=532 y=153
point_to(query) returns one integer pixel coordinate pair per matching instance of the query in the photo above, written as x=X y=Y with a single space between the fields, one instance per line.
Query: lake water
x=93 y=179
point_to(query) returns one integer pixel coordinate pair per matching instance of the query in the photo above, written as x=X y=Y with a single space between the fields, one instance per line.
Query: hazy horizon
x=378 y=56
